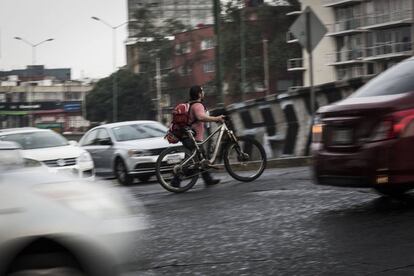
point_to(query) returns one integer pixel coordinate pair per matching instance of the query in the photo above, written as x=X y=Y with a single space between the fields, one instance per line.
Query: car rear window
x=36 y=140
x=139 y=131
x=396 y=80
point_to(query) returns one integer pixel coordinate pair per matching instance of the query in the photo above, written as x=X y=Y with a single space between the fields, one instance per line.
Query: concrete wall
x=283 y=123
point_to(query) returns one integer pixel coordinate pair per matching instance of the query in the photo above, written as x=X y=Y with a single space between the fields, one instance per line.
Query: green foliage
x=134 y=101
x=263 y=22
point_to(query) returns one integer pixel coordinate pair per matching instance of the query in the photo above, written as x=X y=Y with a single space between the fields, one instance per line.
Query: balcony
x=349 y=73
x=295 y=64
x=339 y=3
x=385 y=20
x=346 y=57
x=345 y=27
x=388 y=50
x=290 y=38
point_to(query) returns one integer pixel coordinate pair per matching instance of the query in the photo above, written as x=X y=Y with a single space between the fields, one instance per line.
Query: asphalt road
x=281 y=224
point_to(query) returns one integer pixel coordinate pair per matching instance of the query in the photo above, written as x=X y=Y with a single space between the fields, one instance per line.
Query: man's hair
x=195 y=92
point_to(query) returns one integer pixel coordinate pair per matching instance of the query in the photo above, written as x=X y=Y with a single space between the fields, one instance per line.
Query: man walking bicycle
x=198 y=115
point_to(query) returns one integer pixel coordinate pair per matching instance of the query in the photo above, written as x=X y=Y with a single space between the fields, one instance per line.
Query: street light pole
x=115 y=81
x=33 y=46
x=266 y=67
x=243 y=51
x=29 y=97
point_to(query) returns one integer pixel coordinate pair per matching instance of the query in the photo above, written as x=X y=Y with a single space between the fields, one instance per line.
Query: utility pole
x=266 y=67
x=158 y=84
x=309 y=50
x=243 y=51
x=115 y=79
x=218 y=52
x=412 y=27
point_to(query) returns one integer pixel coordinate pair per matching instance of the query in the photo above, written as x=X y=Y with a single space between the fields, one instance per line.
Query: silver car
x=126 y=150
x=53 y=224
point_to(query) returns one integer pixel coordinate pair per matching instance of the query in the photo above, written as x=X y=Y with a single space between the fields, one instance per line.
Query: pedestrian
x=198 y=115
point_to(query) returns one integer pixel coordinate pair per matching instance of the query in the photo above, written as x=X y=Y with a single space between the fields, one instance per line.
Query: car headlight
x=84 y=157
x=317 y=129
x=32 y=163
x=139 y=153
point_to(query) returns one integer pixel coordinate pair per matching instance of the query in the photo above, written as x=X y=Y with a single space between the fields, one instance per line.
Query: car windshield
x=139 y=131
x=36 y=140
x=396 y=80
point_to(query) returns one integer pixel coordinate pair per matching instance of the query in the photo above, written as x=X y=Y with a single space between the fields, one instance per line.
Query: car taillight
x=317 y=130
x=393 y=126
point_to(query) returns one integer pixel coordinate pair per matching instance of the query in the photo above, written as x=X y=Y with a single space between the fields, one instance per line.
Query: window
x=207 y=43
x=89 y=138
x=72 y=96
x=139 y=131
x=185 y=70
x=396 y=80
x=208 y=67
x=183 y=48
x=102 y=134
x=36 y=140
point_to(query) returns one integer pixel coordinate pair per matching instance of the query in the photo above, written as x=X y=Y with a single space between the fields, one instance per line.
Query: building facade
x=370 y=36
x=322 y=73
x=194 y=60
x=191 y=13
x=43 y=103
x=38 y=72
x=364 y=38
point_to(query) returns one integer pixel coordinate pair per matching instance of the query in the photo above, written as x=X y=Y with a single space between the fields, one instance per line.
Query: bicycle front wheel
x=175 y=171
x=245 y=160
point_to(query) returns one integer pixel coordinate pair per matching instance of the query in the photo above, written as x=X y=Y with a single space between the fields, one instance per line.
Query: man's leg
x=188 y=144
x=208 y=179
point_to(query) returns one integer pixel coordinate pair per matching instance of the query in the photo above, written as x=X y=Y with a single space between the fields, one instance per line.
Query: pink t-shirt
x=197 y=110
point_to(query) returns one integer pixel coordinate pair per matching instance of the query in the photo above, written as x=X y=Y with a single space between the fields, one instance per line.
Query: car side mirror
x=105 y=142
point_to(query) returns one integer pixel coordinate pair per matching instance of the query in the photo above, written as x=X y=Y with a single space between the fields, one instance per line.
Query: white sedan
x=52 y=149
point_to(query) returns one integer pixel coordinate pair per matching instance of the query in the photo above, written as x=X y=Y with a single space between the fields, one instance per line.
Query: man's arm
x=201 y=115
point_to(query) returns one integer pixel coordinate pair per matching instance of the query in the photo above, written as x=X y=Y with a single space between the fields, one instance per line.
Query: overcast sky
x=82 y=44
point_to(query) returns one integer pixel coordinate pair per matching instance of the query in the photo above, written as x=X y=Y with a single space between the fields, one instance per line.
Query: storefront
x=59 y=116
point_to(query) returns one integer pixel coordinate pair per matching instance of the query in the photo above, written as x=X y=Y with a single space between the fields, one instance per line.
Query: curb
x=289 y=162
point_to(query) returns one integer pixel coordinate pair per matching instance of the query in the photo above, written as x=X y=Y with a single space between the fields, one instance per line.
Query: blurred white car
x=52 y=149
x=53 y=224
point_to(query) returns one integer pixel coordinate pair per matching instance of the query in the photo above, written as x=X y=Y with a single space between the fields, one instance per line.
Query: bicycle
x=244 y=159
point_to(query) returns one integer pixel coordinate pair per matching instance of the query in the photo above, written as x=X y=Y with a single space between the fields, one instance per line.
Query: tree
x=261 y=22
x=155 y=41
x=134 y=100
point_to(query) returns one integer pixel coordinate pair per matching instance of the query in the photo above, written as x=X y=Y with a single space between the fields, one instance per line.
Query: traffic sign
x=316 y=27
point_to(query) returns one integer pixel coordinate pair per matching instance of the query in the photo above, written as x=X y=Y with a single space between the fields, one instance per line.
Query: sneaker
x=213 y=182
x=175 y=182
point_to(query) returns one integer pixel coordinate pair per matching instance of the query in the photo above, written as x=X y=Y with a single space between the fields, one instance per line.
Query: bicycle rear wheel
x=170 y=165
x=245 y=160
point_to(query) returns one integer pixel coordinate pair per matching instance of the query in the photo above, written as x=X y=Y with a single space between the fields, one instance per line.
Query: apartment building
x=370 y=36
x=43 y=103
x=189 y=12
x=364 y=38
x=322 y=73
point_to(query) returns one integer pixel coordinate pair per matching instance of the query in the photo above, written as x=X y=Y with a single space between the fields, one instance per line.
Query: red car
x=367 y=139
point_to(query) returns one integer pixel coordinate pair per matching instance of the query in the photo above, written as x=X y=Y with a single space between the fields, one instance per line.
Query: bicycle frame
x=221 y=130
